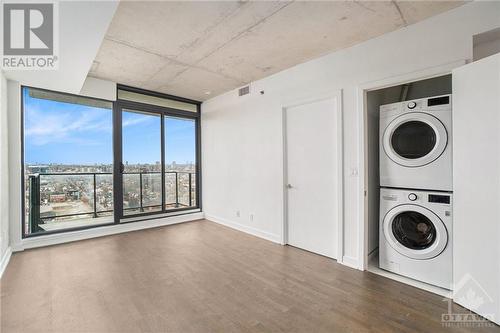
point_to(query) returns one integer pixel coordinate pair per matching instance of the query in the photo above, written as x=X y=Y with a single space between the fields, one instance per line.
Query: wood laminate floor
x=203 y=277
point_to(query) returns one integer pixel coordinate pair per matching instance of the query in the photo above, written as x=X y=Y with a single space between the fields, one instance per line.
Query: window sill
x=106 y=230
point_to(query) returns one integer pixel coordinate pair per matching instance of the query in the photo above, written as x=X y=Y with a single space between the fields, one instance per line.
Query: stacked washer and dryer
x=416 y=190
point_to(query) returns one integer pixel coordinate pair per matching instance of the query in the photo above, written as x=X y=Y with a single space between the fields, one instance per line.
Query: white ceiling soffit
x=82 y=27
x=191 y=48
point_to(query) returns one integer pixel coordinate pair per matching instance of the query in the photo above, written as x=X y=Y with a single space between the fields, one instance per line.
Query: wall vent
x=244 y=91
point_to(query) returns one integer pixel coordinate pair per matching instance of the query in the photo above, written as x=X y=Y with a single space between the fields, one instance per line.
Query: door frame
x=337 y=97
x=125 y=106
x=118 y=106
x=361 y=93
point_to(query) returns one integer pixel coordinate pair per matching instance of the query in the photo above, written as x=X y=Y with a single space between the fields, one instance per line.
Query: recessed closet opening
x=436 y=86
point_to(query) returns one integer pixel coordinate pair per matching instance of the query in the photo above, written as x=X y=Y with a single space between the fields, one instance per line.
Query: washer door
x=415 y=139
x=415 y=232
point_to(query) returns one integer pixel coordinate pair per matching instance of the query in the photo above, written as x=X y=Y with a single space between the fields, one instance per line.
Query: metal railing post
x=34 y=209
x=176 y=190
x=95 y=196
x=190 y=189
x=140 y=191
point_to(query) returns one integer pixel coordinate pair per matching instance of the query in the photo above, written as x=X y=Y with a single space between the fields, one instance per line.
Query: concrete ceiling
x=191 y=48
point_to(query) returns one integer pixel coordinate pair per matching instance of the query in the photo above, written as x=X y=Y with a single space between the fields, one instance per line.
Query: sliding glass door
x=157 y=159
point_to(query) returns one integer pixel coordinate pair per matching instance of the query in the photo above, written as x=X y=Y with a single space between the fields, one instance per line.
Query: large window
x=68 y=161
x=89 y=162
x=158 y=156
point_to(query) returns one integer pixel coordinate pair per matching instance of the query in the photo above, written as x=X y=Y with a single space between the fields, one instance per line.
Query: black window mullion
x=163 y=192
x=198 y=158
x=117 y=163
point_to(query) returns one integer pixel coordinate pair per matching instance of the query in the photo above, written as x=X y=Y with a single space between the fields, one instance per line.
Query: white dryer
x=415 y=235
x=415 y=144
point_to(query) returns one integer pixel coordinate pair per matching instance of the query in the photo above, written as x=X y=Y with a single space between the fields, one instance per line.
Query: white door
x=313 y=149
x=476 y=186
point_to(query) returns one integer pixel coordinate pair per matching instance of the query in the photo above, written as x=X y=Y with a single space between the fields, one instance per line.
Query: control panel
x=439 y=198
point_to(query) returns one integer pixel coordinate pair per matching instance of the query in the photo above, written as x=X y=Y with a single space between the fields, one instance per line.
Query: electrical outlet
x=237 y=213
x=251 y=217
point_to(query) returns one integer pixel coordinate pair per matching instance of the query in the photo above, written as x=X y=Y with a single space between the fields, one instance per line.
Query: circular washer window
x=415 y=231
x=414 y=139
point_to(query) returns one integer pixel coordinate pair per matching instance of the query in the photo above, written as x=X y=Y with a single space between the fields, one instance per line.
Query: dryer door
x=415 y=232
x=414 y=139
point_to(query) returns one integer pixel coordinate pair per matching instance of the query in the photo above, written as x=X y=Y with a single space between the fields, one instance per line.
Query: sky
x=64 y=133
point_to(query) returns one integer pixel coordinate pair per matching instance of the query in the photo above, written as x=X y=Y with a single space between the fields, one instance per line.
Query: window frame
x=117 y=149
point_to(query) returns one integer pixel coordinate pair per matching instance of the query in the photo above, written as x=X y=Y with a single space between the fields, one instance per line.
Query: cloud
x=135 y=120
x=69 y=125
x=72 y=124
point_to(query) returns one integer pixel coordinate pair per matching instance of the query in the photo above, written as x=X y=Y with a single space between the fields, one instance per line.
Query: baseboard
x=5 y=260
x=350 y=262
x=54 y=239
x=246 y=229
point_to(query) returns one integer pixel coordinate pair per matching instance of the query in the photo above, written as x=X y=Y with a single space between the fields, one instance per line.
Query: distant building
x=57 y=198
x=38 y=168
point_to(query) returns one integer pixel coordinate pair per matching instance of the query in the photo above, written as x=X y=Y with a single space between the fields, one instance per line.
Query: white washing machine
x=415 y=144
x=415 y=235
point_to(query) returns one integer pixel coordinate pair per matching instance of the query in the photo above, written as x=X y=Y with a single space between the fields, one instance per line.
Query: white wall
x=98 y=88
x=14 y=135
x=242 y=136
x=4 y=174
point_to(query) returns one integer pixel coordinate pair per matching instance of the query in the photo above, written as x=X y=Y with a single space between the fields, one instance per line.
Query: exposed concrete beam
x=400 y=13
x=247 y=30
x=172 y=59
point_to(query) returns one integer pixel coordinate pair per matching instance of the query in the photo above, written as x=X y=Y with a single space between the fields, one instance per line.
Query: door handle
x=289 y=186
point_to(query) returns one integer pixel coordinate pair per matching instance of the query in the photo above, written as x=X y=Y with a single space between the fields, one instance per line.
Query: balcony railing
x=40 y=194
